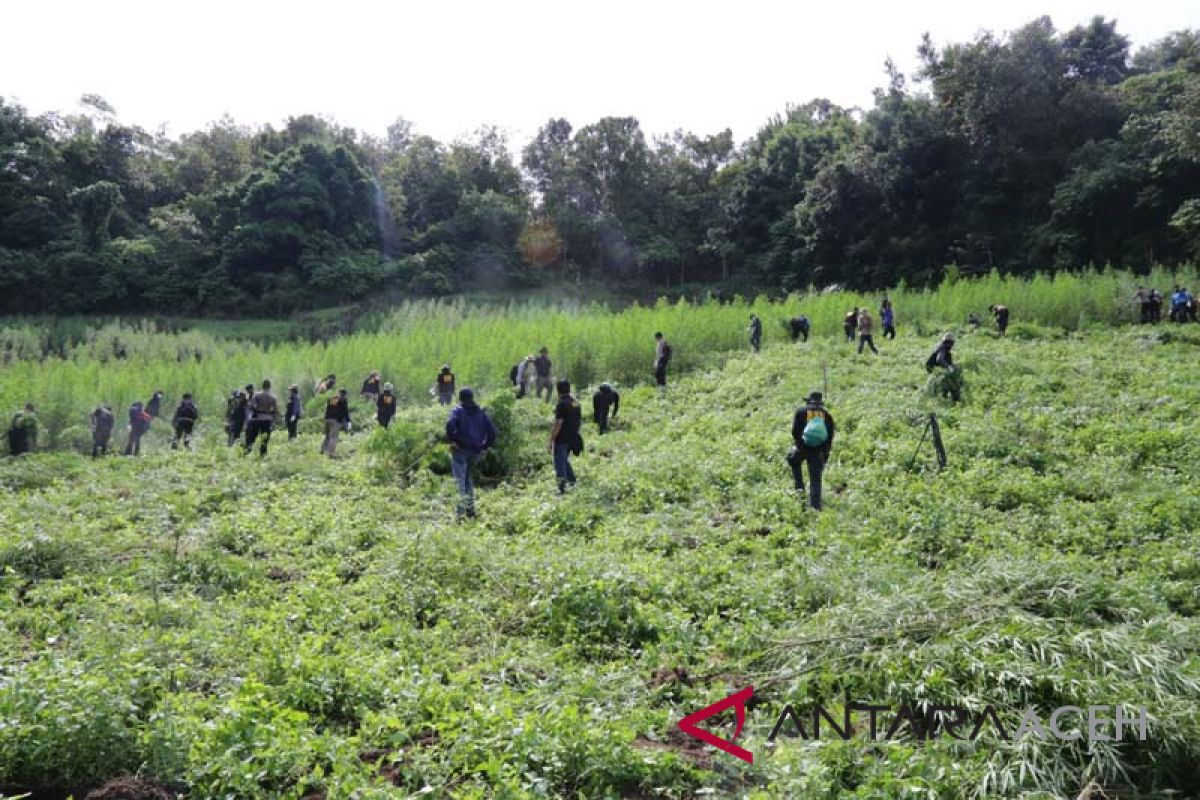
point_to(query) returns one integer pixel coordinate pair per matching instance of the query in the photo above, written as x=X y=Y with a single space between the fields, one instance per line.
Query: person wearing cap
x=605 y=399
x=154 y=406
x=812 y=434
x=385 y=405
x=1001 y=315
x=942 y=355
x=184 y=422
x=295 y=410
x=444 y=385
x=470 y=432
x=337 y=417
x=755 y=331
x=541 y=369
x=565 y=438
x=102 y=420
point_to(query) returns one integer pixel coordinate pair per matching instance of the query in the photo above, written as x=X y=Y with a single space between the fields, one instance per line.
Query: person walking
x=662 y=358
x=264 y=410
x=445 y=386
x=849 y=323
x=184 y=422
x=370 y=387
x=102 y=423
x=385 y=405
x=542 y=367
x=470 y=432
x=866 y=326
x=755 y=330
x=604 y=400
x=887 y=316
x=1001 y=315
x=799 y=327
x=337 y=418
x=294 y=411
x=139 y=423
x=235 y=415
x=812 y=435
x=154 y=407
x=565 y=437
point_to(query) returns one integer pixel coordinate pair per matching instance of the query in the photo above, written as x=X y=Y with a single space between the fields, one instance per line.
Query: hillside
x=305 y=627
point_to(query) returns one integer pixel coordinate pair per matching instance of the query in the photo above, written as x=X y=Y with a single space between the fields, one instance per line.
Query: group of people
x=1150 y=303
x=537 y=370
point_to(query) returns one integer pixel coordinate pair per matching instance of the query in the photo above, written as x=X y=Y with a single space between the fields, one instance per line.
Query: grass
x=300 y=627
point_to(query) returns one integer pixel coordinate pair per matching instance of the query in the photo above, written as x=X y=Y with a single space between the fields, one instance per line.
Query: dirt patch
x=681 y=744
x=128 y=787
x=282 y=575
x=385 y=759
x=669 y=676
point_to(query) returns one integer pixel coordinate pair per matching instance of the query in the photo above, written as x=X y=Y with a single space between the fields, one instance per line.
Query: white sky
x=452 y=65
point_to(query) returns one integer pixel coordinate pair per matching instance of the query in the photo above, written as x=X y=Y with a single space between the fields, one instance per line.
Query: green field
x=305 y=627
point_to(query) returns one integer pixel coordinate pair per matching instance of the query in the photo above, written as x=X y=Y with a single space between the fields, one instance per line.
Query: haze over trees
x=1039 y=149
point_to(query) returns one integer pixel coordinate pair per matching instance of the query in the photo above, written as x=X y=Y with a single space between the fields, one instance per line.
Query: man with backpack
x=264 y=410
x=565 y=438
x=294 y=411
x=235 y=415
x=445 y=385
x=662 y=357
x=799 y=327
x=385 y=405
x=337 y=418
x=139 y=423
x=471 y=433
x=184 y=422
x=605 y=399
x=102 y=423
x=812 y=432
x=23 y=431
x=755 y=331
x=541 y=368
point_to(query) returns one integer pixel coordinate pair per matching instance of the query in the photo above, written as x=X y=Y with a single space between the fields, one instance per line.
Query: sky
x=450 y=66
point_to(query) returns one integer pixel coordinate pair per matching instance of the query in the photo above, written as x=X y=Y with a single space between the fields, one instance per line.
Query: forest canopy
x=1038 y=149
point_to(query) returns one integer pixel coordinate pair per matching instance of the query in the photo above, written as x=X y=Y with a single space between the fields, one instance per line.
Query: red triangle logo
x=738 y=702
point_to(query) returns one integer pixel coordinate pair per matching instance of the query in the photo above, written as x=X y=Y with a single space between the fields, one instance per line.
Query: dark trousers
x=183 y=430
x=889 y=331
x=445 y=398
x=562 y=466
x=133 y=447
x=602 y=420
x=255 y=429
x=756 y=342
x=461 y=462
x=815 y=458
x=660 y=374
x=849 y=329
x=100 y=445
x=235 y=431
x=292 y=422
x=866 y=340
x=384 y=421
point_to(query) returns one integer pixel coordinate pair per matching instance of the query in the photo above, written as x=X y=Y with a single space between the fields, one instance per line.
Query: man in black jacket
x=337 y=418
x=184 y=422
x=103 y=421
x=812 y=432
x=541 y=367
x=565 y=437
x=604 y=400
x=263 y=410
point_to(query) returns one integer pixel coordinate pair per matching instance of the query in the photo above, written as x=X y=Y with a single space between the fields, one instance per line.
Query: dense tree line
x=1035 y=150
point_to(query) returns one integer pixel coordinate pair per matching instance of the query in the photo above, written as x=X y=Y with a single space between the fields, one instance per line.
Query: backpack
x=666 y=352
x=815 y=433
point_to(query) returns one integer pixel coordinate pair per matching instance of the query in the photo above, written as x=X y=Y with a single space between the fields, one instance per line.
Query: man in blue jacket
x=471 y=433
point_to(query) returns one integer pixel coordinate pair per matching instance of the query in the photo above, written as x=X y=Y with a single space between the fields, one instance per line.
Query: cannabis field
x=301 y=627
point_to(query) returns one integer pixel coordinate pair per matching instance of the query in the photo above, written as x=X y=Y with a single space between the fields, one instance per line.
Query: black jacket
x=604 y=399
x=338 y=408
x=801 y=419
